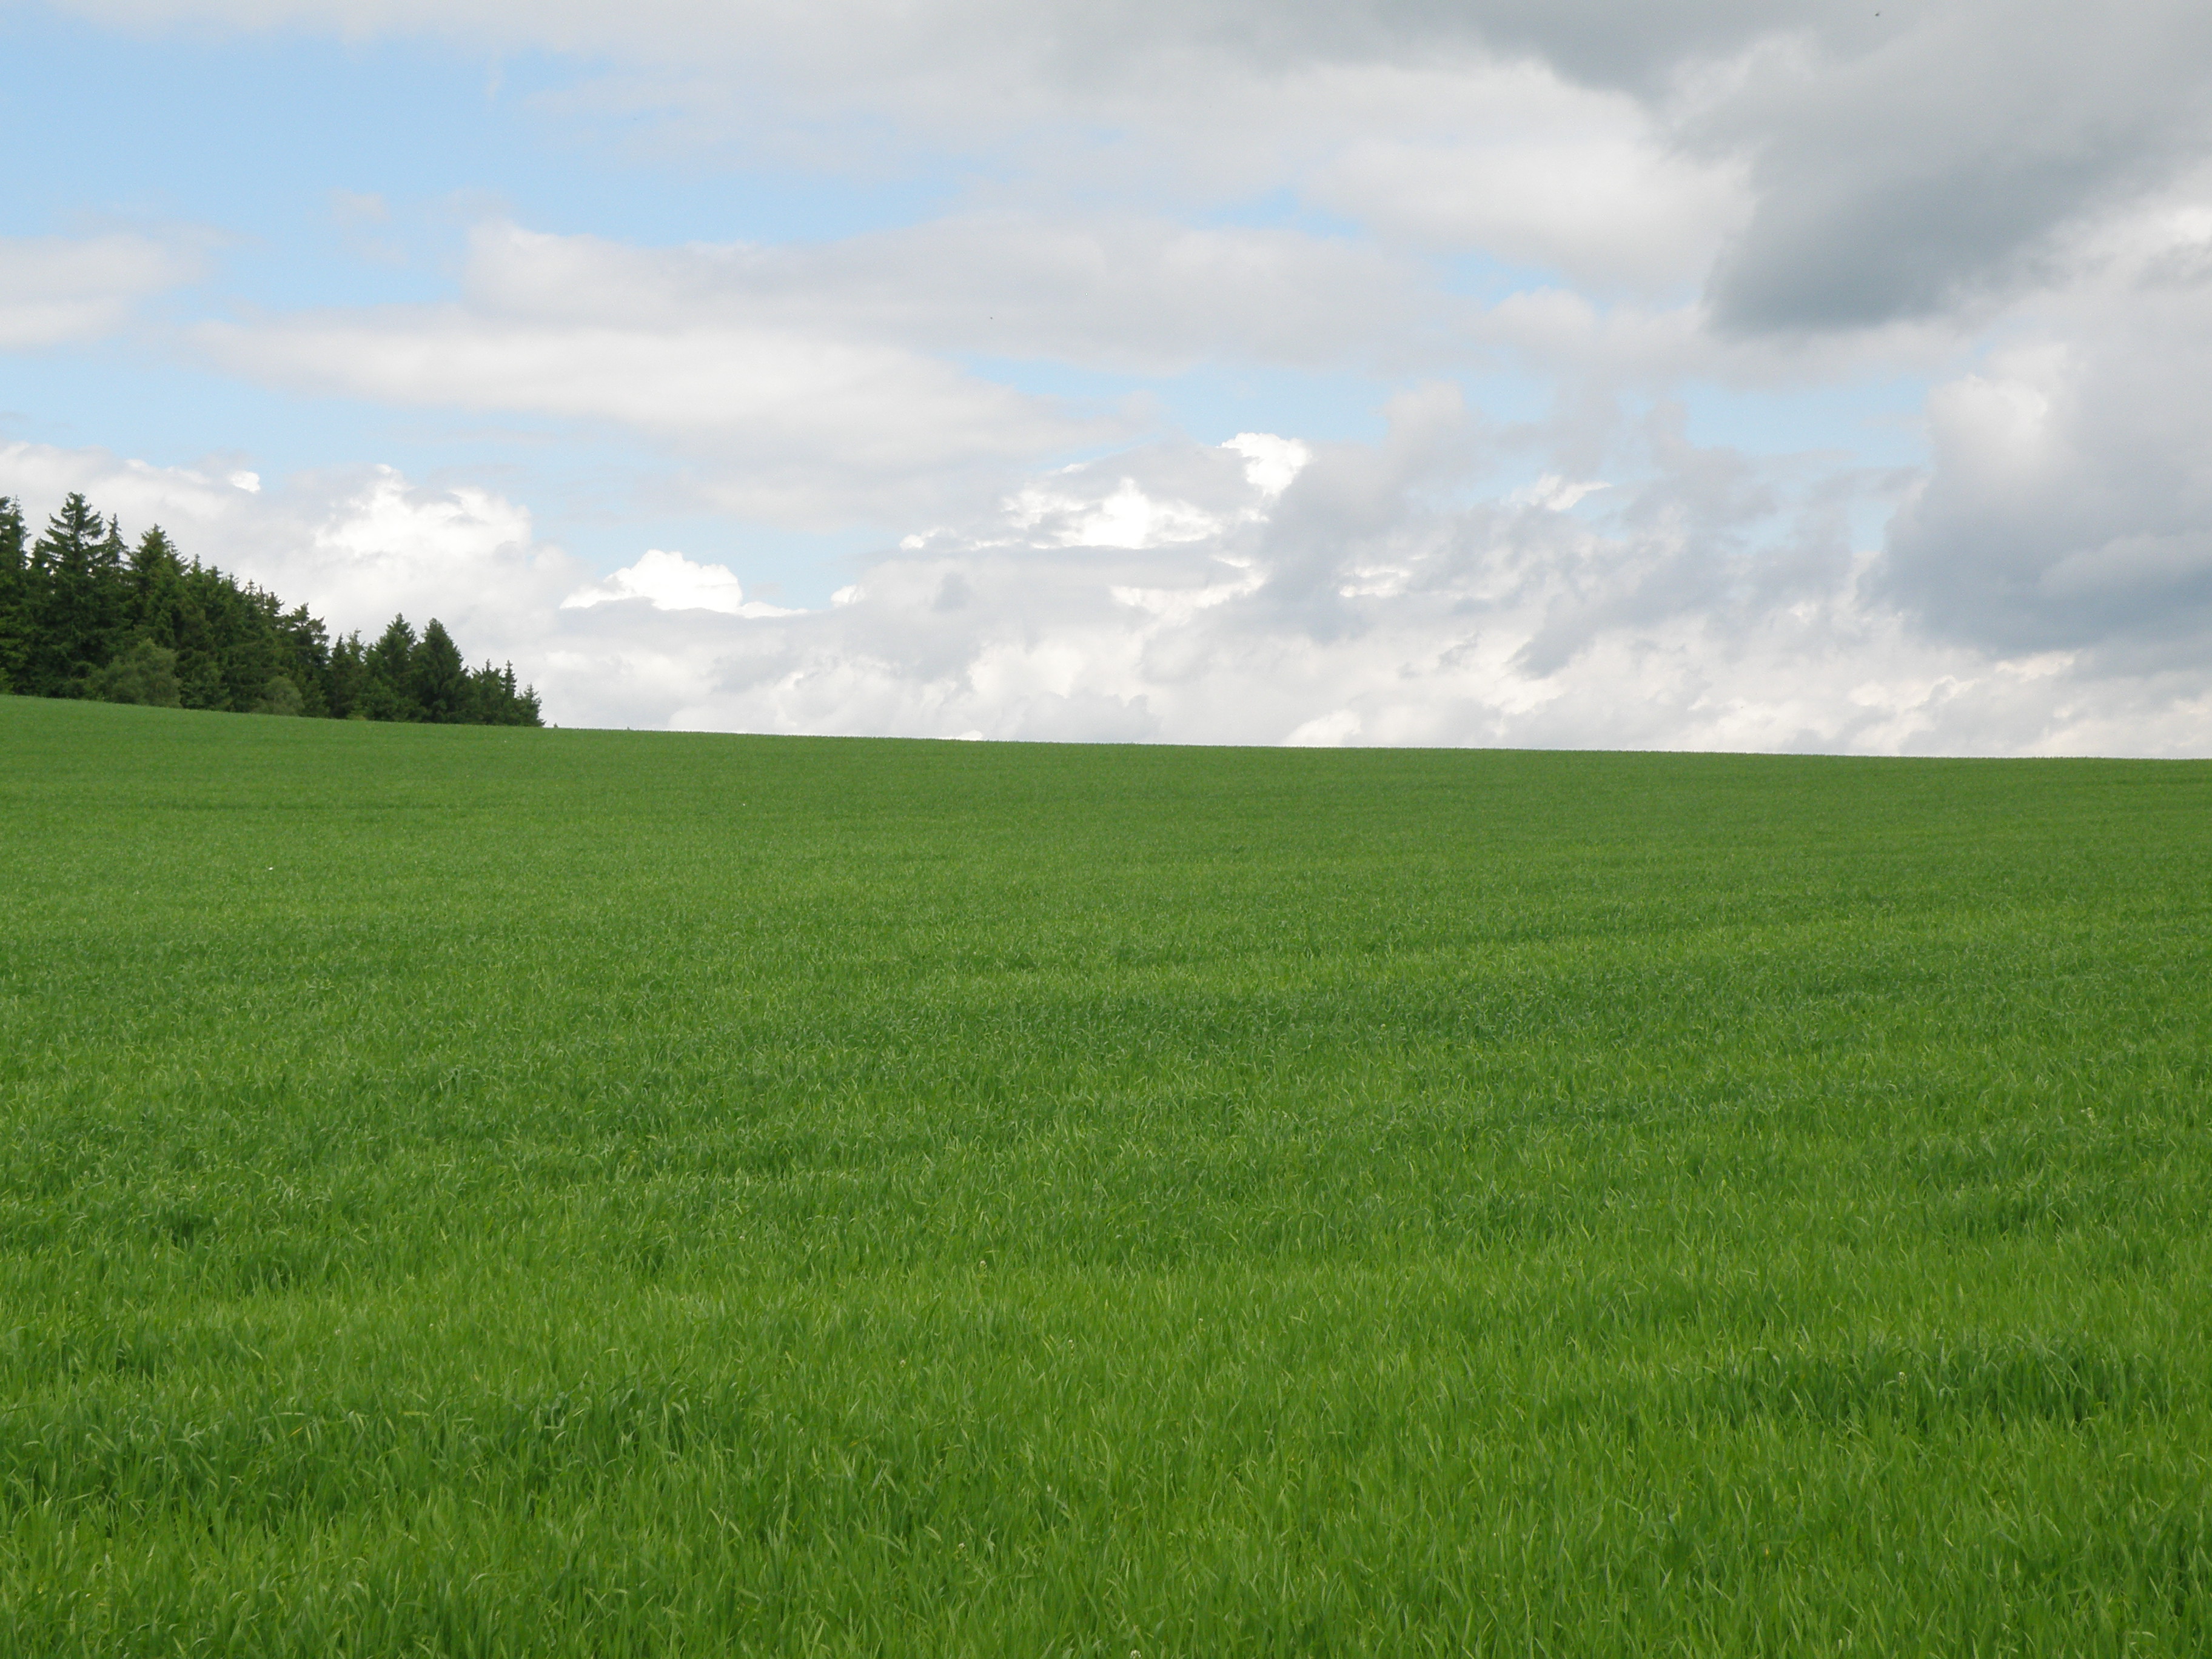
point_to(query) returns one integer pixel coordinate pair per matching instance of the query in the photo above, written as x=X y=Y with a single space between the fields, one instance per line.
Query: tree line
x=84 y=613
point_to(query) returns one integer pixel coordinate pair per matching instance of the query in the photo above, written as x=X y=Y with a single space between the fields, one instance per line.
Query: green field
x=482 y=1191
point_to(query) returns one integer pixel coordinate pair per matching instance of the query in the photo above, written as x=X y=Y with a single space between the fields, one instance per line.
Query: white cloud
x=1890 y=160
x=1107 y=290
x=823 y=384
x=57 y=290
x=1598 y=209
x=355 y=547
x=1127 y=518
x=2069 y=502
x=377 y=544
x=2010 y=200
x=797 y=428
x=1271 y=464
x=1533 y=170
x=1335 y=729
x=668 y=581
x=1712 y=605
x=1555 y=493
x=1667 y=620
x=201 y=502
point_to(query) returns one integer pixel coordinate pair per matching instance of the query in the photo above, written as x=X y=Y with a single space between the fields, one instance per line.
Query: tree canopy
x=83 y=613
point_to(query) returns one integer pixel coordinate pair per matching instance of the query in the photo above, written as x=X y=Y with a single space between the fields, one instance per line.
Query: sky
x=1732 y=375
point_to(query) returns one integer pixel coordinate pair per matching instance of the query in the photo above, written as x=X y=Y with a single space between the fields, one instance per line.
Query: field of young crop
x=477 y=1191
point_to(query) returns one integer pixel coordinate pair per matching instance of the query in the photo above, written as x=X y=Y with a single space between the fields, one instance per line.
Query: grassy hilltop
x=486 y=1191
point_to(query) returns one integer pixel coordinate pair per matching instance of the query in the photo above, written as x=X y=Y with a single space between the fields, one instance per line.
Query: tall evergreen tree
x=440 y=683
x=82 y=613
x=157 y=588
x=390 y=693
x=76 y=601
x=15 y=595
x=347 y=677
x=307 y=650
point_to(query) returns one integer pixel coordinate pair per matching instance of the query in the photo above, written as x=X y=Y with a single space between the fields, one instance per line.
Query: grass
x=483 y=1192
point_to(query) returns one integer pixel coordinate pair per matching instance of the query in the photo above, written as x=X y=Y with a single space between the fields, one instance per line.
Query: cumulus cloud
x=1716 y=605
x=1189 y=494
x=1914 y=169
x=355 y=546
x=2068 y=506
x=1900 y=159
x=1713 y=602
x=1535 y=170
x=1600 y=211
x=668 y=581
x=2007 y=200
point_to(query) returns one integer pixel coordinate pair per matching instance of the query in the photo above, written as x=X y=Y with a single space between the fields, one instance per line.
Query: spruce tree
x=72 y=618
x=157 y=589
x=83 y=614
x=14 y=596
x=306 y=643
x=389 y=695
x=440 y=683
x=348 y=678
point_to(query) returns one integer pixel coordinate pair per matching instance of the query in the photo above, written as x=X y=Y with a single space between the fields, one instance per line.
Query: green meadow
x=486 y=1191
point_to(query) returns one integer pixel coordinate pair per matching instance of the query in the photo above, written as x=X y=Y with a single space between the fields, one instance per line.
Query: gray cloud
x=2008 y=196
x=1073 y=43
x=1903 y=160
x=1121 y=292
x=1924 y=171
x=1717 y=604
x=2070 y=504
x=1359 y=605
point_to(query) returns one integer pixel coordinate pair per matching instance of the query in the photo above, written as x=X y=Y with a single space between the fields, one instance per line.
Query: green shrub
x=279 y=697
x=146 y=674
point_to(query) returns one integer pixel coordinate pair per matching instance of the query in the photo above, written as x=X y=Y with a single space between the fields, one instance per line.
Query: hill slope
x=474 y=1190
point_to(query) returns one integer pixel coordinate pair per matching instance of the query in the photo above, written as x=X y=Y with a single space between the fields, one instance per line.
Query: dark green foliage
x=435 y=678
x=75 y=600
x=491 y=699
x=80 y=600
x=280 y=697
x=607 y=1194
x=146 y=674
x=347 y=678
x=14 y=623
x=389 y=692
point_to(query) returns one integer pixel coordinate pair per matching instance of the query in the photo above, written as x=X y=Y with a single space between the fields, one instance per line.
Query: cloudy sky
x=1762 y=374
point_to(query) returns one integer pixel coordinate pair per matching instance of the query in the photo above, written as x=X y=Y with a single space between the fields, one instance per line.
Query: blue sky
x=1617 y=392
x=317 y=172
